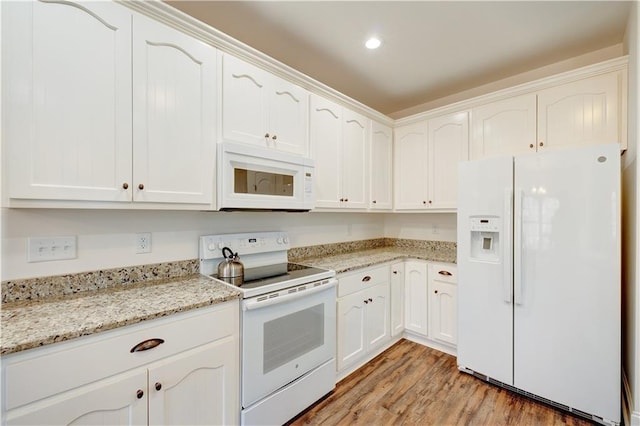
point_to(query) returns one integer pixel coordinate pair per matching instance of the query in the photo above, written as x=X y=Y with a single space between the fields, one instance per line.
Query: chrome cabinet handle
x=146 y=345
x=445 y=273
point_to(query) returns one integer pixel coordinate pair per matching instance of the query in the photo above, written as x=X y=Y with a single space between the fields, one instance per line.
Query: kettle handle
x=227 y=249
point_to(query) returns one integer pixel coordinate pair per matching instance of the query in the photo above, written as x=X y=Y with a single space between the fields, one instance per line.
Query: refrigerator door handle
x=518 y=244
x=507 y=254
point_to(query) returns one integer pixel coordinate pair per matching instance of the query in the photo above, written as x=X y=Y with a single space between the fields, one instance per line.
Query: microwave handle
x=254 y=303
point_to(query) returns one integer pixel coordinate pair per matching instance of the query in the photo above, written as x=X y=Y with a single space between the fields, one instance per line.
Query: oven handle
x=254 y=303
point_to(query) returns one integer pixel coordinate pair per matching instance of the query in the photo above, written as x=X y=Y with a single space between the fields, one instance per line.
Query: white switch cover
x=44 y=249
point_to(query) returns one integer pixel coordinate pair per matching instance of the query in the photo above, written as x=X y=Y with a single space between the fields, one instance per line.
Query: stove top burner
x=272 y=274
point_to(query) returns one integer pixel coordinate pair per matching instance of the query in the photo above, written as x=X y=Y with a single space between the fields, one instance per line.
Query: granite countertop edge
x=31 y=324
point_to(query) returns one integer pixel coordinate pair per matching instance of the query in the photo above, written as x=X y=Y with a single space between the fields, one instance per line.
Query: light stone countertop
x=346 y=262
x=30 y=324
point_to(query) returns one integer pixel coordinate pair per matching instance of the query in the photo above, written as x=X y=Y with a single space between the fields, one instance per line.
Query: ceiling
x=430 y=49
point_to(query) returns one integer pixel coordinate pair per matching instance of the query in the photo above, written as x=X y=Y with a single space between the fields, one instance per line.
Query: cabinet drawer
x=41 y=372
x=363 y=278
x=444 y=272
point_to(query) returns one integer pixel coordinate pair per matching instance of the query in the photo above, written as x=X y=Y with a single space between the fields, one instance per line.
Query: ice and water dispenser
x=485 y=238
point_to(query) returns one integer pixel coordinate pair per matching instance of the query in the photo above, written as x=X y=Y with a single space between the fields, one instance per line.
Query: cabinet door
x=197 y=387
x=448 y=145
x=245 y=99
x=415 y=296
x=377 y=316
x=67 y=100
x=351 y=328
x=112 y=401
x=443 y=312
x=288 y=117
x=355 y=138
x=380 y=167
x=581 y=113
x=174 y=97
x=410 y=167
x=506 y=127
x=397 y=298
x=325 y=132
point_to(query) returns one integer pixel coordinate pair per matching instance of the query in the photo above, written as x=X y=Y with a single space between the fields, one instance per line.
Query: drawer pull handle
x=366 y=278
x=445 y=273
x=158 y=386
x=146 y=345
x=139 y=394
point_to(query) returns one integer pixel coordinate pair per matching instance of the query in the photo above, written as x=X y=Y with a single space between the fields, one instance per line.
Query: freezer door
x=567 y=278
x=484 y=267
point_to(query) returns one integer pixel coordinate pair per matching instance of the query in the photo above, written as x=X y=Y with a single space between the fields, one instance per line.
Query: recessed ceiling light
x=373 y=43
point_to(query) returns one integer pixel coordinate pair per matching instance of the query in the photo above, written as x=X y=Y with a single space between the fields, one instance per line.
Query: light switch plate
x=45 y=249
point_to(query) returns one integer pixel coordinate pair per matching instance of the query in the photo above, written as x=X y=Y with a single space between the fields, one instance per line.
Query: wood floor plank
x=410 y=384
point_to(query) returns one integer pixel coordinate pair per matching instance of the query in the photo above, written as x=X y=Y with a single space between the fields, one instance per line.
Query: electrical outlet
x=143 y=242
x=51 y=248
x=435 y=229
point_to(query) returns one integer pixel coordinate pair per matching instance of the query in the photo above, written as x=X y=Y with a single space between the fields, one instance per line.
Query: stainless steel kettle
x=231 y=269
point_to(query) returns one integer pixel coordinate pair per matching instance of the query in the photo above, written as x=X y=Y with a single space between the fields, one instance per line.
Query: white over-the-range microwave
x=255 y=178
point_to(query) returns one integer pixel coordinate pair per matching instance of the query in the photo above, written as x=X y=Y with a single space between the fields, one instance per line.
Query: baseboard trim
x=630 y=417
x=424 y=341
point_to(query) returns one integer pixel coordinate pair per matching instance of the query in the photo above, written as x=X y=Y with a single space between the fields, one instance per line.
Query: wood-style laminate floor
x=410 y=384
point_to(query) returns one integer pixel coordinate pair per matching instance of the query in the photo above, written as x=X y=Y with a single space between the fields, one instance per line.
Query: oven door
x=254 y=178
x=284 y=340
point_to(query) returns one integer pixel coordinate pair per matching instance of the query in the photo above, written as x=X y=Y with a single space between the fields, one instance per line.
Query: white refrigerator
x=539 y=276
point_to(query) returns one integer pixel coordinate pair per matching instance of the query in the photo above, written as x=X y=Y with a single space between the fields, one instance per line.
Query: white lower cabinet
x=443 y=303
x=192 y=377
x=397 y=298
x=416 y=297
x=362 y=315
x=430 y=303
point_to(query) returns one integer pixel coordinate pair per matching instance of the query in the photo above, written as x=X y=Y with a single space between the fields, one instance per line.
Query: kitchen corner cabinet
x=262 y=109
x=114 y=108
x=362 y=315
x=190 y=378
x=582 y=112
x=339 y=141
x=380 y=167
x=397 y=298
x=426 y=162
x=443 y=303
x=416 y=297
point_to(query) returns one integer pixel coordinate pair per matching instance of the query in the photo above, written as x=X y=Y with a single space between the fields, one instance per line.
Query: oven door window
x=284 y=341
x=247 y=181
x=291 y=336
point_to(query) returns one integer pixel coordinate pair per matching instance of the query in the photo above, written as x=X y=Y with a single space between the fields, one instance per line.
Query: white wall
x=106 y=239
x=421 y=226
x=631 y=238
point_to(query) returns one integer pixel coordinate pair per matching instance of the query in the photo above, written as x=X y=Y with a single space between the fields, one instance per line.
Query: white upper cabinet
x=410 y=167
x=448 y=145
x=426 y=162
x=380 y=170
x=67 y=100
x=174 y=98
x=506 y=127
x=261 y=109
x=117 y=107
x=580 y=113
x=339 y=147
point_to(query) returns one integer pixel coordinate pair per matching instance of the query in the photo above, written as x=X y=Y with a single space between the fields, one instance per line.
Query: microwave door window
x=263 y=183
